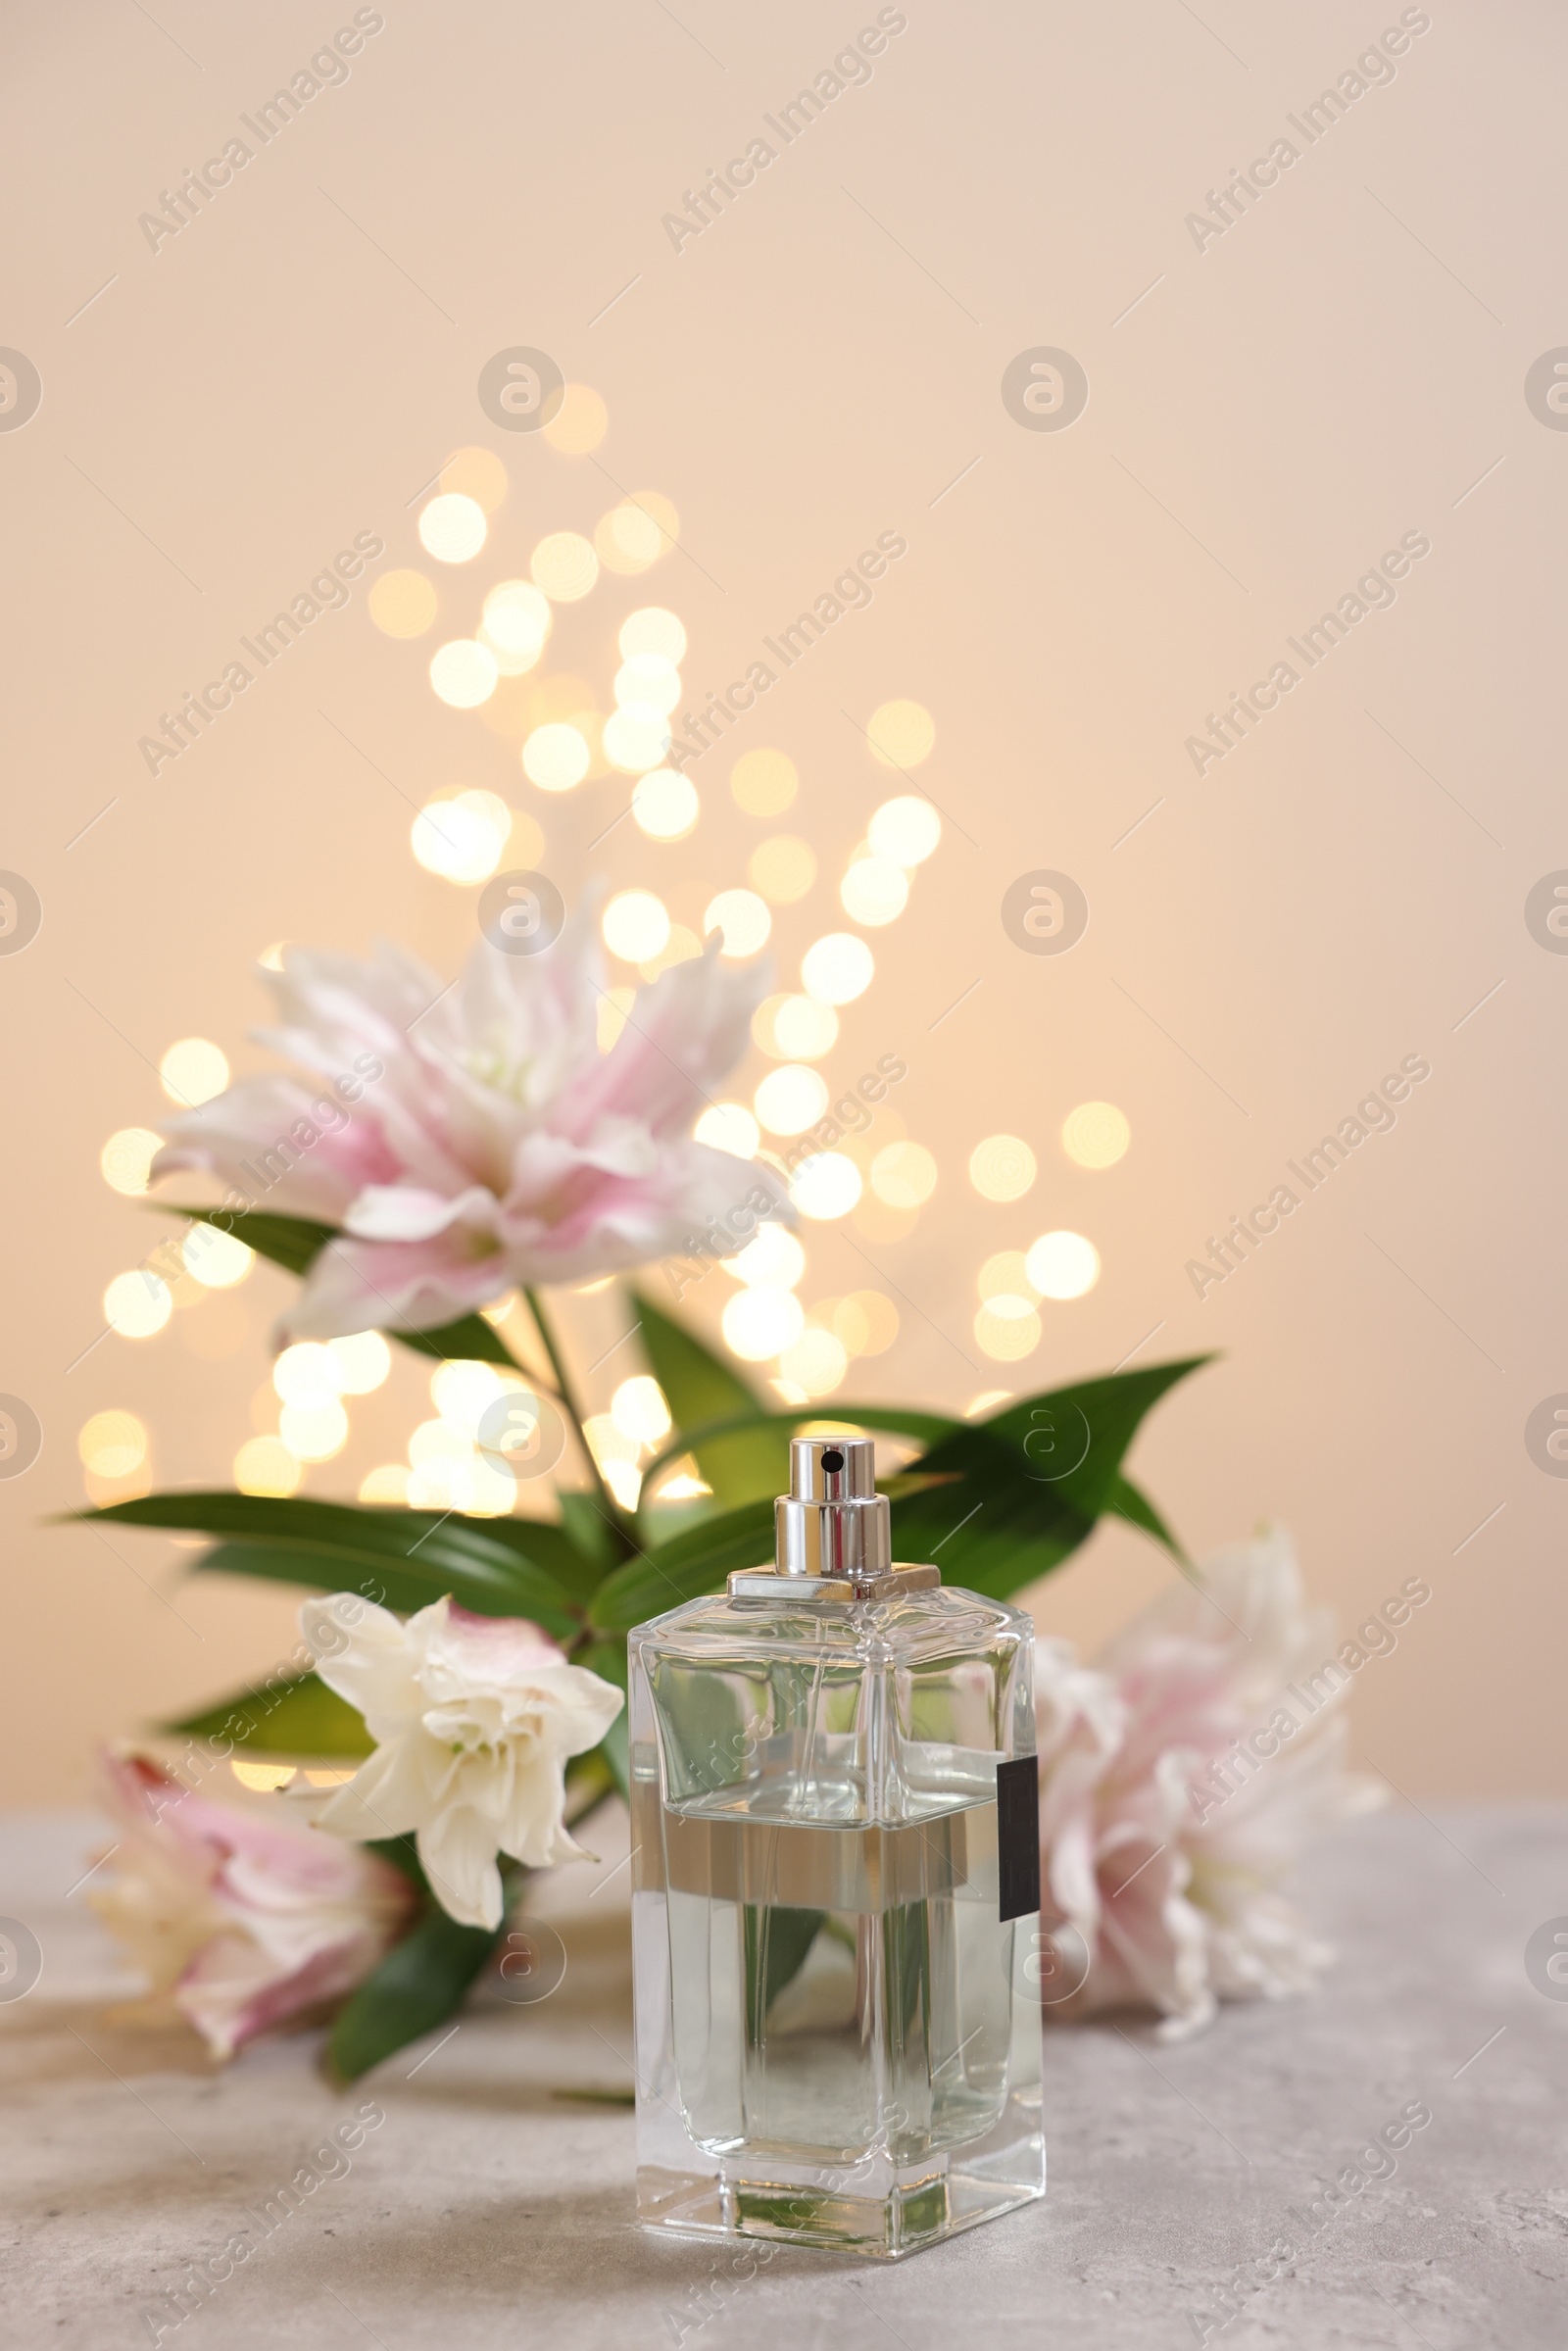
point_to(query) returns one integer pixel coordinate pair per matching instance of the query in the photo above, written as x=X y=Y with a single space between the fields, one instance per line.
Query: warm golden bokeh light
x=113 y=1444
x=314 y=1431
x=1001 y=1167
x=476 y=473
x=453 y=528
x=825 y=1185
x=1096 y=1134
x=440 y=1440
x=665 y=804
x=647 y=677
x=636 y=737
x=127 y=1159
x=906 y=830
x=790 y=1100
x=635 y=926
x=903 y=1174
x=679 y=947
x=901 y=733
x=1006 y=1275
x=838 y=968
x=463 y=673
x=803 y=1030
x=653 y=631
x=388 y=1483
x=874 y=891
x=729 y=1127
x=525 y=840
x=556 y=757
x=262 y=1779
x=817 y=1361
x=986 y=1401
x=628 y=538
x=518 y=621
x=775 y=1260
x=1007 y=1329
x=638 y=1411
x=137 y=1304
x=744 y=920
x=216 y=1258
x=761 y=1322
x=795 y=1028
x=403 y=604
x=264 y=1465
x=463 y=1392
x=764 y=782
x=783 y=868
x=1063 y=1265
x=461 y=838
x=579 y=423
x=867 y=1322
x=193 y=1071
x=363 y=1361
x=564 y=566
x=308 y=1374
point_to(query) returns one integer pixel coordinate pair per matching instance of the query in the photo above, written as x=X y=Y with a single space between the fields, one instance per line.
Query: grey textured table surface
x=488 y=2211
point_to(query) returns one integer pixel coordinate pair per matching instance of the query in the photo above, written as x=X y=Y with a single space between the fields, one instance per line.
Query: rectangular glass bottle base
x=876 y=2208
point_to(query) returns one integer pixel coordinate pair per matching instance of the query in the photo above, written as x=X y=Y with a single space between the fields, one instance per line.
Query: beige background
x=1341 y=367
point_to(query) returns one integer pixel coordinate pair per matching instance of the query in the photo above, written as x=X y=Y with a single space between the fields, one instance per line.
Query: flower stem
x=607 y=1504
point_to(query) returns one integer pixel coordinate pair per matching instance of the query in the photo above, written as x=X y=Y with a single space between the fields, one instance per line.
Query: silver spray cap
x=833 y=1522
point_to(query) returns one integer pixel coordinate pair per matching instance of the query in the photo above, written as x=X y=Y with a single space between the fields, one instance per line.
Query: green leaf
x=574 y=1553
x=292 y=1241
x=700 y=1388
x=422 y=1981
x=698 y=1385
x=403 y=1558
x=296 y=1241
x=288 y=1714
x=1129 y=1501
x=597 y=1539
x=471 y=1340
x=689 y=1564
x=1009 y=1520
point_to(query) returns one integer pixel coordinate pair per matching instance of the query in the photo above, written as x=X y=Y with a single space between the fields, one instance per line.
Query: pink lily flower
x=241 y=1923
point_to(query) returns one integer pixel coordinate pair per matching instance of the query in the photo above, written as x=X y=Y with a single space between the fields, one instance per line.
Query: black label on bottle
x=1019 y=1837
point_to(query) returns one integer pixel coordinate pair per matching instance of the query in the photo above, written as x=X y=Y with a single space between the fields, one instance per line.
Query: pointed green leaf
x=422 y=1980
x=288 y=1714
x=577 y=1565
x=401 y=1558
x=292 y=1241
x=689 y=1564
x=1130 y=1501
x=698 y=1385
x=470 y=1340
x=1016 y=1514
x=598 y=1539
x=700 y=1388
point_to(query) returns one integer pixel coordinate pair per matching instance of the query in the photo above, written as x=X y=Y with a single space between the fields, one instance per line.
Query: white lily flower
x=474 y=1718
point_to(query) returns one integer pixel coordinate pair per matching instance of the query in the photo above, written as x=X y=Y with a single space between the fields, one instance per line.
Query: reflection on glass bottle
x=836 y=1841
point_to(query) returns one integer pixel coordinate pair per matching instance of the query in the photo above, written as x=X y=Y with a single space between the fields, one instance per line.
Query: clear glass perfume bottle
x=836 y=1873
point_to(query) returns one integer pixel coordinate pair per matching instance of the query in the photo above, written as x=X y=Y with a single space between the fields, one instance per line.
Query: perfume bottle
x=836 y=1876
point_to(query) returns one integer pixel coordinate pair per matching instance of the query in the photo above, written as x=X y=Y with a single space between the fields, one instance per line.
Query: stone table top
x=486 y=2209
